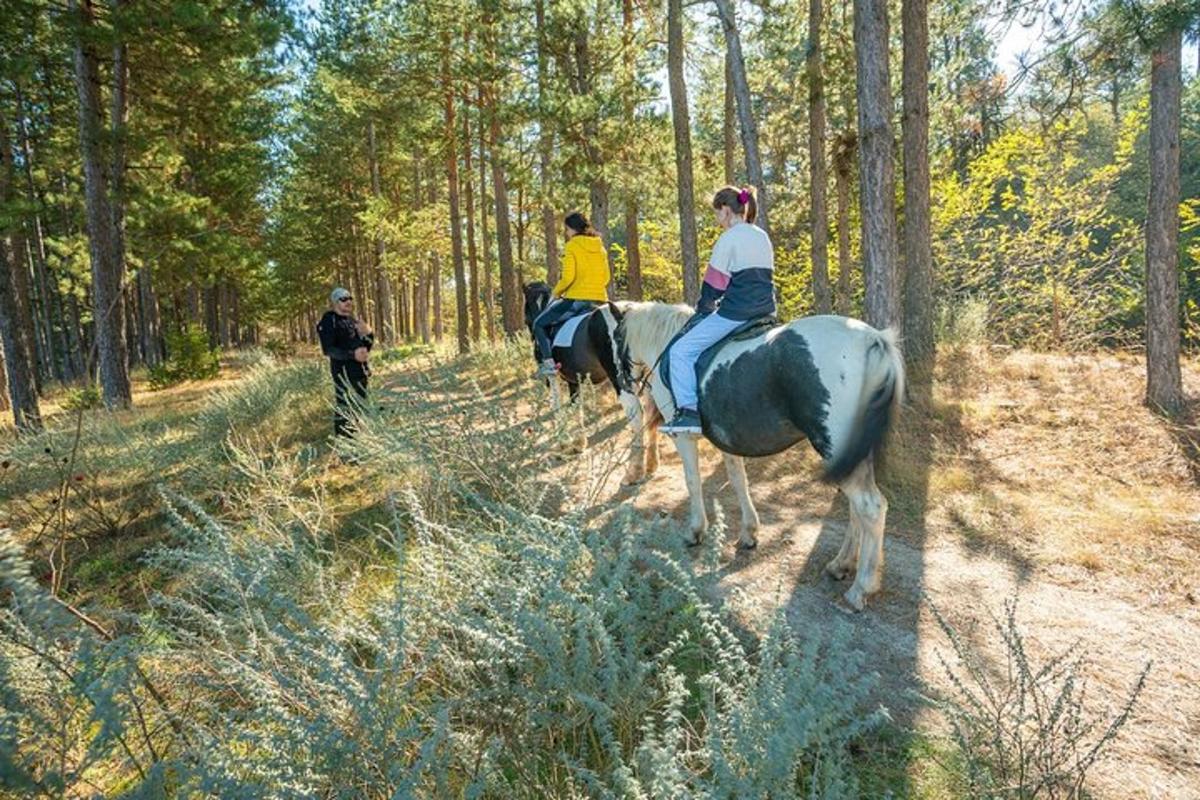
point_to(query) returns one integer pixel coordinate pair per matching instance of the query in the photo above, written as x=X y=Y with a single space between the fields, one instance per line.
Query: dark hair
x=740 y=201
x=578 y=223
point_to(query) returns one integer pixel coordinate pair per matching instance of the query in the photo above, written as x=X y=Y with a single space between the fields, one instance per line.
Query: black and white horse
x=831 y=380
x=589 y=355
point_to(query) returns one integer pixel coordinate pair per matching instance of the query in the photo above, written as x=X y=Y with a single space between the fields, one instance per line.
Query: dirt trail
x=1119 y=623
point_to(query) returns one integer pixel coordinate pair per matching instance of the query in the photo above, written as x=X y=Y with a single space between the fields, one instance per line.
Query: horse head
x=537 y=296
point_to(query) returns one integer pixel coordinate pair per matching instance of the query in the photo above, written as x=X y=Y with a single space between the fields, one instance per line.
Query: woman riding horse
x=584 y=283
x=737 y=287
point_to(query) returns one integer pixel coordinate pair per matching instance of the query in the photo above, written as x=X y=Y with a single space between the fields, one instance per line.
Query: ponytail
x=740 y=201
x=578 y=223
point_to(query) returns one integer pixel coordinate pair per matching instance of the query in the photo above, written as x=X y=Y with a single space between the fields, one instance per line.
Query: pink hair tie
x=743 y=197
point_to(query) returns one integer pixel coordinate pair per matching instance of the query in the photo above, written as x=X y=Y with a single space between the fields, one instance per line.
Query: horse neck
x=650 y=327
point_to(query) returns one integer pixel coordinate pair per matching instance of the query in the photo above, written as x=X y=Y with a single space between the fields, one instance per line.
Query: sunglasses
x=345 y=299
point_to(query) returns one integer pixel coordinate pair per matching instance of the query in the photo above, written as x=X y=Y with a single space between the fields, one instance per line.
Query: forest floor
x=1037 y=477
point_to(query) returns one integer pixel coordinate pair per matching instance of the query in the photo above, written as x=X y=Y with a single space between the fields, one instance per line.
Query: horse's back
x=796 y=381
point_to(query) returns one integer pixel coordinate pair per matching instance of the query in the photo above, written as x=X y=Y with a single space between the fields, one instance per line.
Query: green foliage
x=189 y=358
x=83 y=398
x=1030 y=232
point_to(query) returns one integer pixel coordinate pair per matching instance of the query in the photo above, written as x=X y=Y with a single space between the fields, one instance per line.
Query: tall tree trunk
x=746 y=116
x=16 y=330
x=546 y=148
x=383 y=285
x=583 y=87
x=149 y=322
x=103 y=244
x=435 y=278
x=822 y=294
x=510 y=292
x=461 y=322
x=1164 y=386
x=37 y=246
x=633 y=249
x=683 y=154
x=19 y=369
x=843 y=168
x=918 y=248
x=18 y=254
x=489 y=293
x=729 y=122
x=469 y=202
x=876 y=171
x=5 y=401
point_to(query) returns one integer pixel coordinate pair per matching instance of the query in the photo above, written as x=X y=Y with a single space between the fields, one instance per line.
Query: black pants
x=345 y=381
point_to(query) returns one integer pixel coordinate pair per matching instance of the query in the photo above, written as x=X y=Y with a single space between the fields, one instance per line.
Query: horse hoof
x=747 y=546
x=855 y=599
x=839 y=572
x=696 y=542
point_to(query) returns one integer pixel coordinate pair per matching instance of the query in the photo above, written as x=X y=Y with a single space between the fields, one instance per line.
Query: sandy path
x=1119 y=623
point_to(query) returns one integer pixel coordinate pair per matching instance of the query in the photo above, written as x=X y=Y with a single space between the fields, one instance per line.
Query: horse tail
x=879 y=400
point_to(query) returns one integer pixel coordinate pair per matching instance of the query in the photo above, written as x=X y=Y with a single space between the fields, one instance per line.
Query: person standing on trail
x=347 y=342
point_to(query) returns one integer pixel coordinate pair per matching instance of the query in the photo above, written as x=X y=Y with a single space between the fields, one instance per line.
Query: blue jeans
x=687 y=350
x=553 y=314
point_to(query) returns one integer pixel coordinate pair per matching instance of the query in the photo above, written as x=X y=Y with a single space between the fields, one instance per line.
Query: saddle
x=562 y=333
x=747 y=330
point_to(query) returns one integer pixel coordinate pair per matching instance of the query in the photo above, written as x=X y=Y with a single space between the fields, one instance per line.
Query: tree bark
x=461 y=322
x=510 y=292
x=918 y=249
x=546 y=149
x=683 y=154
x=469 y=202
x=22 y=393
x=103 y=243
x=746 y=116
x=489 y=294
x=583 y=85
x=435 y=283
x=1164 y=386
x=16 y=334
x=876 y=170
x=729 y=123
x=843 y=168
x=633 y=250
x=383 y=285
x=822 y=295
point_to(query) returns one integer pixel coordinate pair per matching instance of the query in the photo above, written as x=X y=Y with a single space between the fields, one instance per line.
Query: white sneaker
x=686 y=422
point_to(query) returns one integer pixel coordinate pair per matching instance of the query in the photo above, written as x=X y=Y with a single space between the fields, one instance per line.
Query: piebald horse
x=831 y=380
x=589 y=356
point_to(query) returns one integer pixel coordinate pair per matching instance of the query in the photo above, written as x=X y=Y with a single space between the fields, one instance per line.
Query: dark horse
x=590 y=355
x=582 y=358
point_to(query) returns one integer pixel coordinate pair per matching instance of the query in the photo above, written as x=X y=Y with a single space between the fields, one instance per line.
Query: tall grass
x=480 y=633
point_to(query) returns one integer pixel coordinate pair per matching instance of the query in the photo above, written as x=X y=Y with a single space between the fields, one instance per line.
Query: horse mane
x=650 y=326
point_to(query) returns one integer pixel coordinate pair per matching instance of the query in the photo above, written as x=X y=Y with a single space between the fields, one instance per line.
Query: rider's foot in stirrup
x=687 y=421
x=547 y=369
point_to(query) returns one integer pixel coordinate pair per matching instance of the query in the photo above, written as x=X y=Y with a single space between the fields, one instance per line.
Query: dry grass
x=1057 y=457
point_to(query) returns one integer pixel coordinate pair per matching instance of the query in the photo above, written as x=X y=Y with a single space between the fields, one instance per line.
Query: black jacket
x=339 y=340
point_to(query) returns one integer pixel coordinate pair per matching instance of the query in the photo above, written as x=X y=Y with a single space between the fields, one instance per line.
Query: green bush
x=83 y=398
x=189 y=358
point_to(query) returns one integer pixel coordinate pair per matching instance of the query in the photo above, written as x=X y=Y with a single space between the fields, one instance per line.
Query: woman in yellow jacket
x=584 y=284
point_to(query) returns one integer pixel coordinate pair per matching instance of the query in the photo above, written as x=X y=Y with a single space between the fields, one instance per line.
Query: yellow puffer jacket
x=584 y=270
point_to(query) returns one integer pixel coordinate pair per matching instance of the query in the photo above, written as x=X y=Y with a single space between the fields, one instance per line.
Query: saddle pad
x=567 y=332
x=747 y=330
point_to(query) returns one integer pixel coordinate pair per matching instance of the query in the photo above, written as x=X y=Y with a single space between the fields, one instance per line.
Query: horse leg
x=869 y=505
x=689 y=452
x=581 y=439
x=843 y=563
x=636 y=416
x=735 y=466
x=652 y=418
